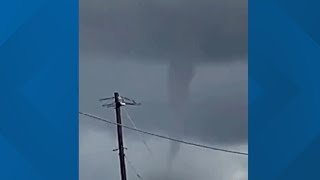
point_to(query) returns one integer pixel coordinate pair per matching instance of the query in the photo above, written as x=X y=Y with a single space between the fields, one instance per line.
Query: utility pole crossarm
x=122 y=100
x=129 y=101
x=109 y=105
x=132 y=104
x=107 y=98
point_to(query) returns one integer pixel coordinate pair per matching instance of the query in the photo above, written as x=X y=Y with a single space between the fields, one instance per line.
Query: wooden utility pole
x=118 y=102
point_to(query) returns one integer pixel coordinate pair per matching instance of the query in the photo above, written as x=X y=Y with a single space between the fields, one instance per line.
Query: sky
x=129 y=47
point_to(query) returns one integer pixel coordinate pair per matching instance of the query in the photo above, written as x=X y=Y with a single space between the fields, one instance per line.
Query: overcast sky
x=127 y=46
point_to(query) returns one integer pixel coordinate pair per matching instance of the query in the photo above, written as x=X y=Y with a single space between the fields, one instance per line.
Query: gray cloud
x=163 y=32
x=152 y=30
x=176 y=30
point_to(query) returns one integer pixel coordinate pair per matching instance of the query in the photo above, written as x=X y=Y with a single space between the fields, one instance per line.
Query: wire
x=133 y=168
x=134 y=125
x=165 y=137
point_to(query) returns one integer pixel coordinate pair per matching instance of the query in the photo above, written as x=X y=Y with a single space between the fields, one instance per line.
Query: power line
x=165 y=137
x=134 y=125
x=133 y=168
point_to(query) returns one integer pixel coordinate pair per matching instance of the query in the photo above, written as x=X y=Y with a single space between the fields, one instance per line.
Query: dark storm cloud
x=164 y=31
x=169 y=30
x=197 y=30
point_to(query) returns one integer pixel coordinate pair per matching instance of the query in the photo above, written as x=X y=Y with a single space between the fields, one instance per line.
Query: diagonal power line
x=165 y=137
x=134 y=125
x=133 y=168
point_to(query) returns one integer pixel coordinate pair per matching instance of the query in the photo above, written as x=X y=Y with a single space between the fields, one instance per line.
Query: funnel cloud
x=179 y=80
